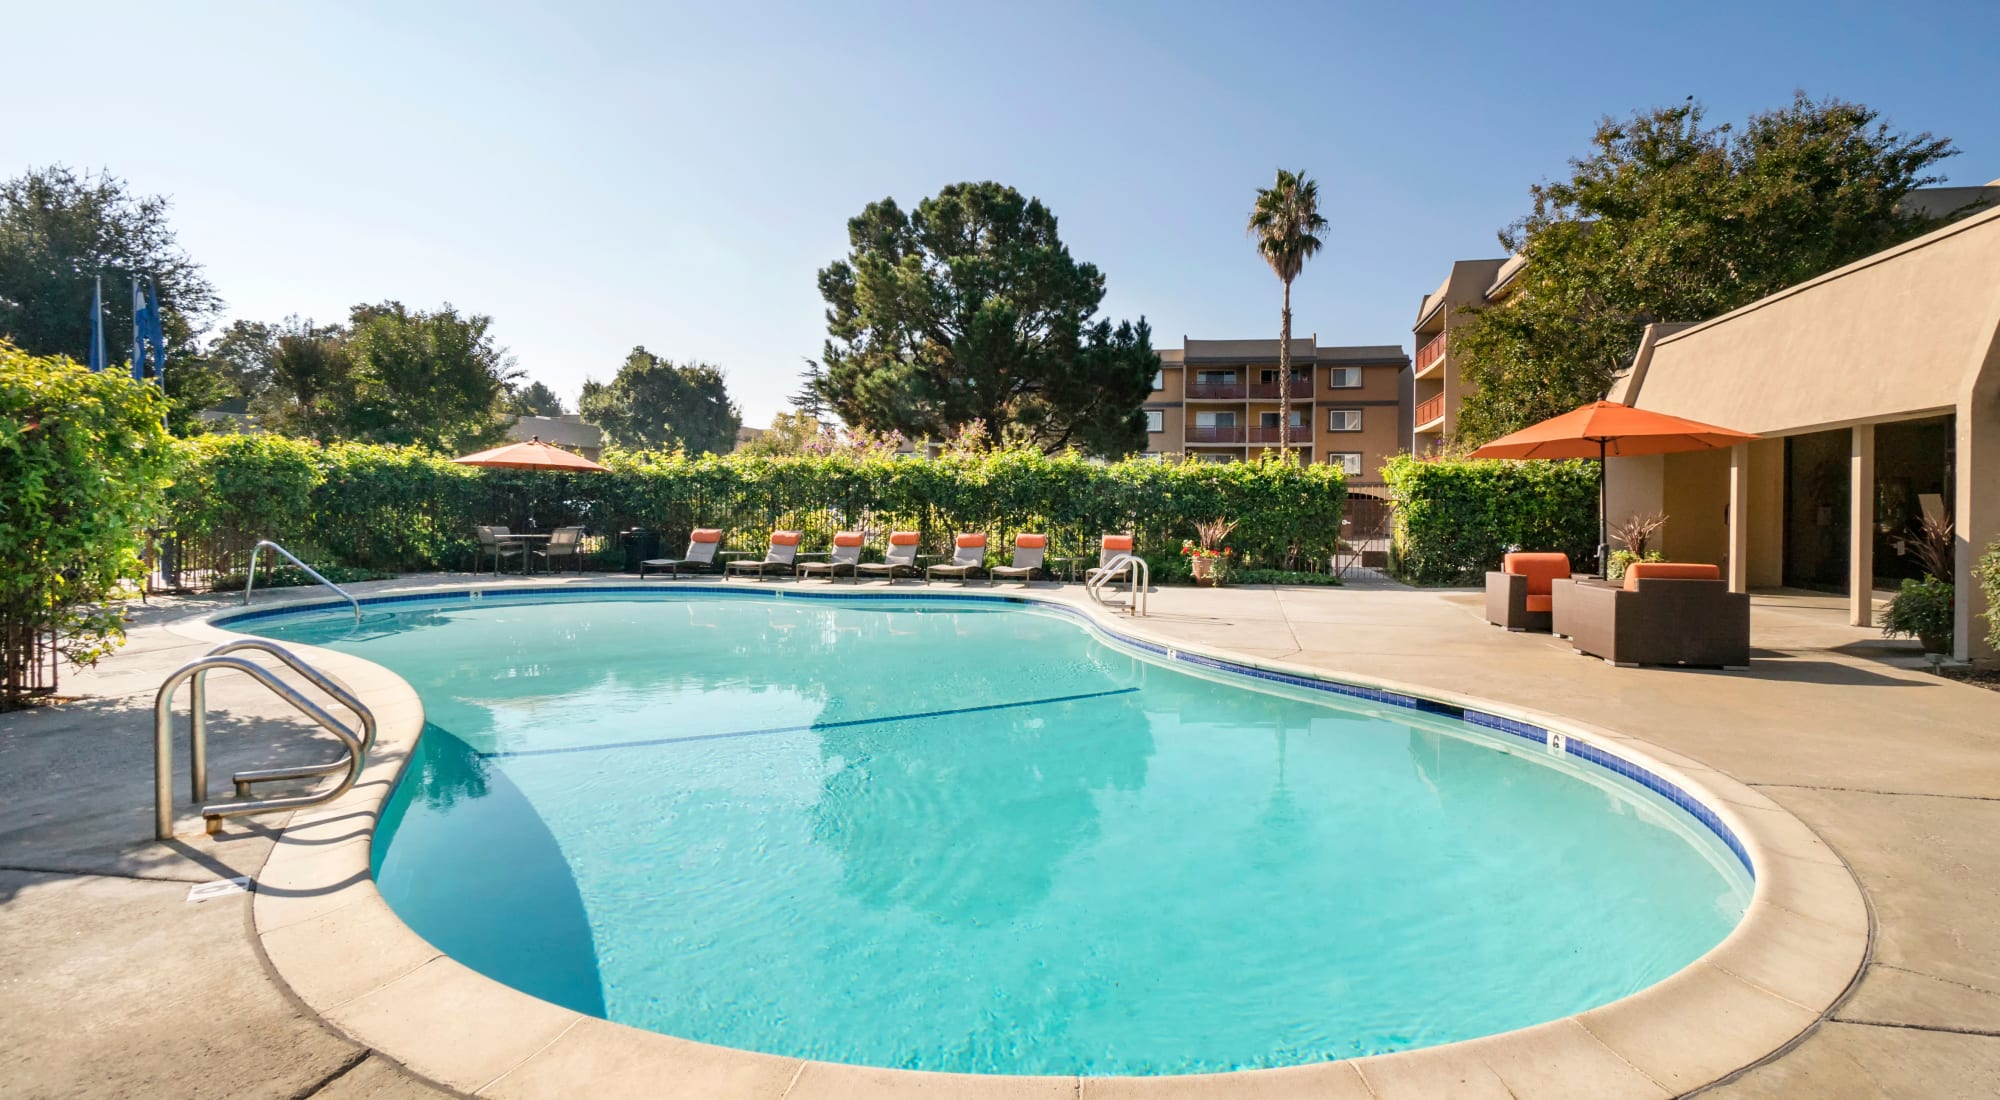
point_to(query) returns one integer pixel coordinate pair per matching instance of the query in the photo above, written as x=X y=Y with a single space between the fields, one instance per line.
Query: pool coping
x=328 y=934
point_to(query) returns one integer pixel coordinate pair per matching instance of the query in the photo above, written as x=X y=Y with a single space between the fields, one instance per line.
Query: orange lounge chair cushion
x=785 y=538
x=848 y=538
x=1117 y=543
x=1031 y=542
x=1541 y=603
x=706 y=534
x=970 y=541
x=1542 y=571
x=1669 y=570
x=902 y=538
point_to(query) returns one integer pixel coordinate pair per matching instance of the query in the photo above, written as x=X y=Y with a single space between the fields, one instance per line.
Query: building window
x=1215 y=420
x=1348 y=461
x=1159 y=382
x=1344 y=378
x=1343 y=420
x=1270 y=419
x=1156 y=420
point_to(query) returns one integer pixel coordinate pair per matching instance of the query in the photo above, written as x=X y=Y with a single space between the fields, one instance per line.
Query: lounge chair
x=1028 y=553
x=700 y=556
x=846 y=555
x=1109 y=549
x=495 y=541
x=781 y=555
x=967 y=557
x=900 y=558
x=564 y=542
x=1517 y=596
x=1666 y=613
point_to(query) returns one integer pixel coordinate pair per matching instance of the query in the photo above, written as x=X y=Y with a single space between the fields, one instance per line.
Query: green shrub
x=380 y=507
x=1622 y=558
x=1280 y=576
x=84 y=459
x=291 y=577
x=1455 y=518
x=1988 y=574
x=1922 y=609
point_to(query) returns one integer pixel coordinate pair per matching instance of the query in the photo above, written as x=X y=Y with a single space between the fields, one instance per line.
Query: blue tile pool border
x=1570 y=745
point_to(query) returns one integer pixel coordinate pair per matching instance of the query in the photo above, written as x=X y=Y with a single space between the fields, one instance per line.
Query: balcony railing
x=1299 y=433
x=1430 y=353
x=1301 y=387
x=1216 y=391
x=1430 y=410
x=1215 y=433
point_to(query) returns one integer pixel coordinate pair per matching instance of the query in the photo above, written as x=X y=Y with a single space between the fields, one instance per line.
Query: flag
x=147 y=331
x=97 y=326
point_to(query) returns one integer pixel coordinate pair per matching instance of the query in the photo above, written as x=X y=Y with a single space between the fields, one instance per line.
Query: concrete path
x=116 y=985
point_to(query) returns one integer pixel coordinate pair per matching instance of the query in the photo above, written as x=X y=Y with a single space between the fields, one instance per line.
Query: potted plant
x=1922 y=610
x=1208 y=557
x=1635 y=536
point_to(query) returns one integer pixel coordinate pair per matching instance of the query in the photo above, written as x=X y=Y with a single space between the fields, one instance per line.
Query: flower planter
x=1204 y=570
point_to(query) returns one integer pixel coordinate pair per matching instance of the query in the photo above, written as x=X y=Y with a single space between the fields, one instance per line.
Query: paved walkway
x=116 y=985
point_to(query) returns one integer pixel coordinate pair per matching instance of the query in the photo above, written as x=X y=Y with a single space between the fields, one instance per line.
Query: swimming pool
x=978 y=837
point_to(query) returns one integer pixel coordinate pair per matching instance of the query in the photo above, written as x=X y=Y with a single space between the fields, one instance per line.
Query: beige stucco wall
x=1696 y=500
x=1766 y=513
x=1891 y=336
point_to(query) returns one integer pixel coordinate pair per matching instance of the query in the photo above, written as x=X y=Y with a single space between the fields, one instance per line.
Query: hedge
x=403 y=509
x=1454 y=518
x=1987 y=573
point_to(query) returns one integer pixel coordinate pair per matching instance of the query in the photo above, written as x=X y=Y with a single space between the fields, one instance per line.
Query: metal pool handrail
x=257 y=551
x=357 y=744
x=1130 y=566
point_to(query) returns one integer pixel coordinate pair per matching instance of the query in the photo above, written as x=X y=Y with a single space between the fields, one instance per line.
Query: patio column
x=1739 y=519
x=1976 y=503
x=1861 y=528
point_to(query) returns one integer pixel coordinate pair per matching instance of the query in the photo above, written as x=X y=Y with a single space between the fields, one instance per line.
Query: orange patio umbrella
x=1607 y=429
x=532 y=455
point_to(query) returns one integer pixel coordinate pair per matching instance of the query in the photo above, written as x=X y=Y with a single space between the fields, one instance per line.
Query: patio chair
x=1028 y=553
x=700 y=556
x=782 y=555
x=1517 y=596
x=968 y=557
x=1109 y=549
x=564 y=542
x=846 y=555
x=1666 y=613
x=899 y=559
x=495 y=541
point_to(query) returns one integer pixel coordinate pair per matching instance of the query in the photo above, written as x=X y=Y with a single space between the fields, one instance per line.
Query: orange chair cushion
x=1118 y=542
x=902 y=538
x=848 y=538
x=1031 y=542
x=706 y=534
x=785 y=538
x=1541 y=603
x=1669 y=570
x=1542 y=571
x=970 y=541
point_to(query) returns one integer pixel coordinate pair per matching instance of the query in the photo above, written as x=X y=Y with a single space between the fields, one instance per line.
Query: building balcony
x=1215 y=433
x=1215 y=391
x=1430 y=412
x=1431 y=354
x=1299 y=433
x=1301 y=387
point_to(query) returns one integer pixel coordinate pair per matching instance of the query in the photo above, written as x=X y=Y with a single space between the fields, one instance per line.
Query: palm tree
x=1285 y=222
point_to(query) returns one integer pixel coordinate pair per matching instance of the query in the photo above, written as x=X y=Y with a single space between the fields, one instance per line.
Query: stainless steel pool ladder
x=1130 y=566
x=257 y=551
x=357 y=742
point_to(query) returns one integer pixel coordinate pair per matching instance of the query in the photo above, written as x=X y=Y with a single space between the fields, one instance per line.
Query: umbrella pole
x=1603 y=519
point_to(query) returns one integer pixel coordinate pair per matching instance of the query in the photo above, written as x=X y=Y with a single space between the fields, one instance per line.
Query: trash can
x=641 y=544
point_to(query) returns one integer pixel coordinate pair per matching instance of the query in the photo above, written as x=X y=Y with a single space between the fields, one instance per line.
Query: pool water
x=976 y=837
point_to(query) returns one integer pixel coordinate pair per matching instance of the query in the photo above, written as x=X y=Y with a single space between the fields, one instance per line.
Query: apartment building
x=1437 y=382
x=1218 y=401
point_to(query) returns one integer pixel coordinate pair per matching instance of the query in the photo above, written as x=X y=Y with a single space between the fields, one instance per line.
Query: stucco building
x=1438 y=382
x=1876 y=388
x=1218 y=400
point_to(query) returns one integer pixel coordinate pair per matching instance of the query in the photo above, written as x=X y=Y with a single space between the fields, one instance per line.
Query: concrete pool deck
x=128 y=988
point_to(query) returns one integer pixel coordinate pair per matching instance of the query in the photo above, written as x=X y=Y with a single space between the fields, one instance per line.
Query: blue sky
x=674 y=175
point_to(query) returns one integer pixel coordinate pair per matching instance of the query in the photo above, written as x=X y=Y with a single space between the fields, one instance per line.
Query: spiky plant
x=1286 y=223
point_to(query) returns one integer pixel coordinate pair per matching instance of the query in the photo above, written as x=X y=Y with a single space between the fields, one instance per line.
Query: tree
x=309 y=379
x=970 y=308
x=810 y=400
x=433 y=378
x=59 y=231
x=1286 y=222
x=242 y=354
x=790 y=433
x=654 y=404
x=535 y=399
x=1670 y=219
